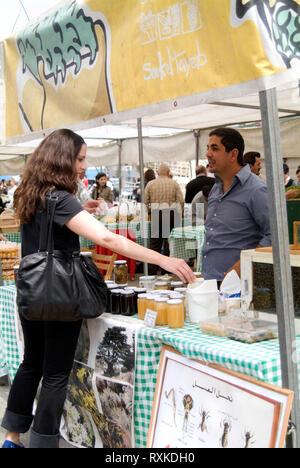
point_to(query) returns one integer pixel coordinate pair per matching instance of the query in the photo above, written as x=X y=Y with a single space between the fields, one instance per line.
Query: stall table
x=186 y=242
x=258 y=360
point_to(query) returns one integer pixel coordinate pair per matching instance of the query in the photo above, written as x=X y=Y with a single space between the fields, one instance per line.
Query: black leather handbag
x=58 y=286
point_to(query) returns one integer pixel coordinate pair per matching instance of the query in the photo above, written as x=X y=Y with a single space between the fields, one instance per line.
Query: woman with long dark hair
x=50 y=346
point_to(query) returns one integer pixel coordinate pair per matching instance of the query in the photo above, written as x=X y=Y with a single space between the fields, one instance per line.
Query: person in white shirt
x=11 y=188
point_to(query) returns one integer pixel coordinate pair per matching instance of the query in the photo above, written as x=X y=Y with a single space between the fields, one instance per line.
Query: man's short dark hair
x=231 y=139
x=250 y=157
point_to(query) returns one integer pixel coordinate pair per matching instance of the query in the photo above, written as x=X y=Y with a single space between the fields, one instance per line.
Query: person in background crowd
x=12 y=186
x=298 y=177
x=3 y=188
x=148 y=176
x=294 y=193
x=82 y=195
x=196 y=185
x=109 y=183
x=101 y=190
x=238 y=207
x=164 y=200
x=199 y=215
x=50 y=346
x=288 y=182
x=85 y=180
x=253 y=159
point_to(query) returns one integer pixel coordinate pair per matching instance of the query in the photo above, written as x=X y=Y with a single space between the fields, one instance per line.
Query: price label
x=150 y=318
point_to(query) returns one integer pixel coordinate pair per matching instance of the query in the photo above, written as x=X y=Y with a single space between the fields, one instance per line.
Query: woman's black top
x=66 y=208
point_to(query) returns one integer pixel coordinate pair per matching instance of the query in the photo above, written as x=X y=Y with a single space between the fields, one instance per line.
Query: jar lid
x=161 y=292
x=176 y=282
x=109 y=282
x=161 y=299
x=174 y=301
x=116 y=291
x=180 y=290
x=140 y=290
x=176 y=295
x=142 y=296
x=113 y=286
x=161 y=283
x=120 y=262
x=127 y=292
x=147 y=278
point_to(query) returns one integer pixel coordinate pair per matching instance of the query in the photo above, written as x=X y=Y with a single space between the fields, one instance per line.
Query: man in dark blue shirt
x=238 y=209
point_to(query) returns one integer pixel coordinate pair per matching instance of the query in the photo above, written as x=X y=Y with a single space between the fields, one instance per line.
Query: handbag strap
x=46 y=233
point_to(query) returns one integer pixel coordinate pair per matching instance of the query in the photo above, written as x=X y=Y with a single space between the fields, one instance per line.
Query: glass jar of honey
x=147 y=282
x=161 y=285
x=127 y=302
x=160 y=306
x=150 y=302
x=142 y=305
x=176 y=284
x=115 y=301
x=175 y=309
x=183 y=291
x=137 y=292
x=120 y=272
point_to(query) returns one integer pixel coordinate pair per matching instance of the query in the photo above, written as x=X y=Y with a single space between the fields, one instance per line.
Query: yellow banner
x=97 y=57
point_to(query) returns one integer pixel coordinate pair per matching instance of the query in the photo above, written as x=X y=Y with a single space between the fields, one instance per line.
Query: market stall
x=259 y=360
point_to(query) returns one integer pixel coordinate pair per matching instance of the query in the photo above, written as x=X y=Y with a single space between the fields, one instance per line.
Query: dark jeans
x=49 y=353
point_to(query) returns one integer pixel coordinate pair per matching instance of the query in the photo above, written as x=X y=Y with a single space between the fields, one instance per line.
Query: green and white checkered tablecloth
x=186 y=242
x=9 y=353
x=13 y=237
x=258 y=360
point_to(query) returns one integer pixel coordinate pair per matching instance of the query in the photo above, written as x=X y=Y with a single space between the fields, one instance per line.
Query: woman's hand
x=179 y=268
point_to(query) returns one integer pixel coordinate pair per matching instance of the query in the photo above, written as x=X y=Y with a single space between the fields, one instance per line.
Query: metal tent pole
x=197 y=136
x=144 y=211
x=281 y=252
x=120 y=167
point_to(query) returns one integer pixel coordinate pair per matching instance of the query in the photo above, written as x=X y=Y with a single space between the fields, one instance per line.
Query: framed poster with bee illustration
x=211 y=407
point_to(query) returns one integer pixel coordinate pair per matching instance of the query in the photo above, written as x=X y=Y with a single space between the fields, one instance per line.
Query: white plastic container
x=203 y=300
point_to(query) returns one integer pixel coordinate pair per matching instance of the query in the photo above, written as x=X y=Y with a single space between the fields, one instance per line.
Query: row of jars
x=169 y=304
x=170 y=307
